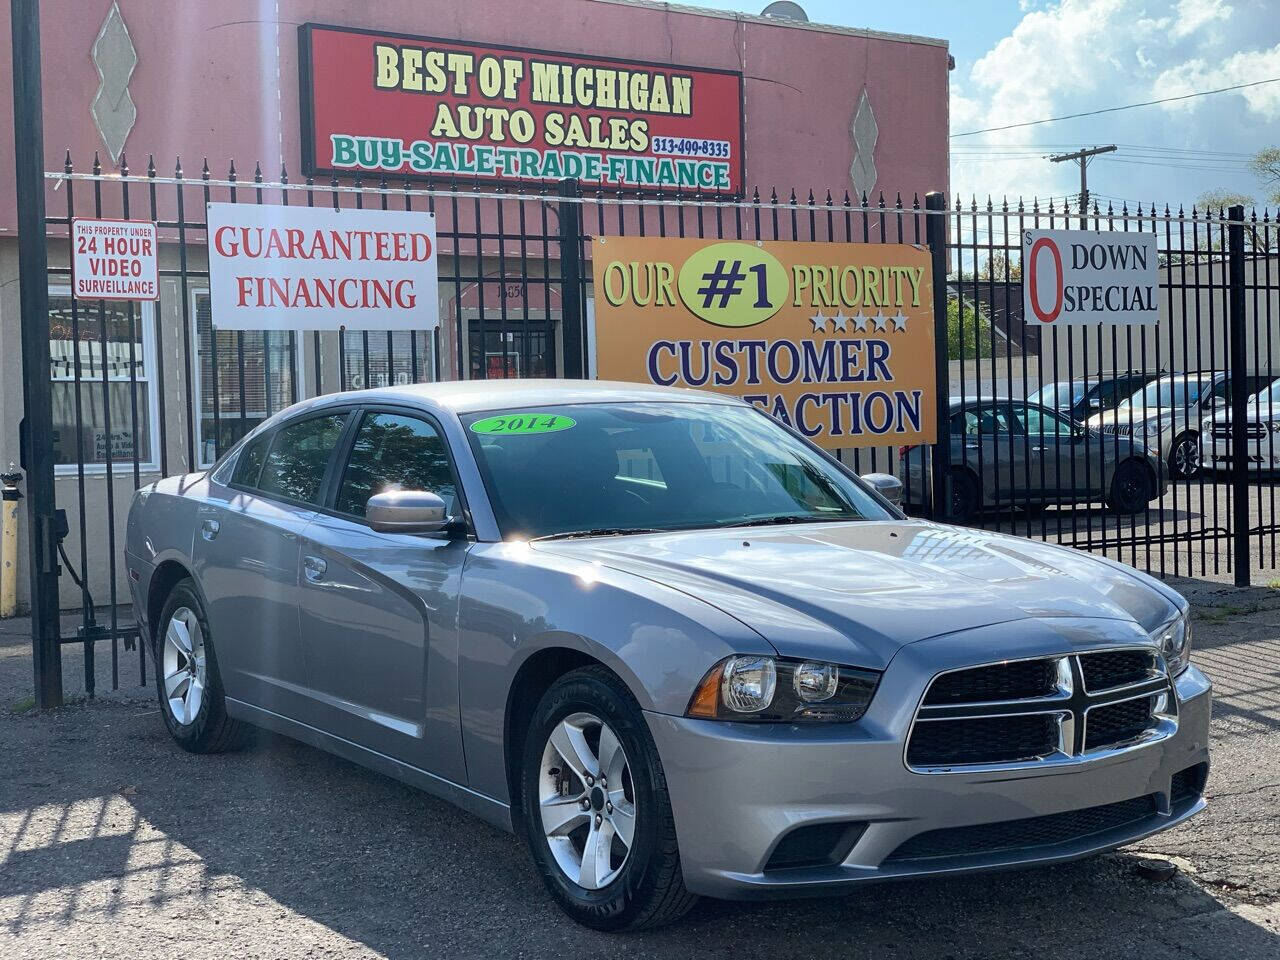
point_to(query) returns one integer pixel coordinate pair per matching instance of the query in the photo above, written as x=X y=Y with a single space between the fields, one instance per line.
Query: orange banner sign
x=835 y=339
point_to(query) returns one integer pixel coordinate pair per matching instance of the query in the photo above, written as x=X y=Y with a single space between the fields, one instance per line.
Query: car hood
x=1138 y=415
x=857 y=592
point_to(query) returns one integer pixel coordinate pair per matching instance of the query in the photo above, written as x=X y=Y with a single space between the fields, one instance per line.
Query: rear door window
x=295 y=467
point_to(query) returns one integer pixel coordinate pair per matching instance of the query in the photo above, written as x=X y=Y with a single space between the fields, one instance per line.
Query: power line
x=1127 y=106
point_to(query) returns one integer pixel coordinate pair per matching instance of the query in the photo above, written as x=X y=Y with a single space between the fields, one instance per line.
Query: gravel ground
x=115 y=843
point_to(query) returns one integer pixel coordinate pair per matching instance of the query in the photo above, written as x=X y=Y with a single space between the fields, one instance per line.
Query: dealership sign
x=1085 y=276
x=382 y=104
x=834 y=339
x=114 y=260
x=314 y=268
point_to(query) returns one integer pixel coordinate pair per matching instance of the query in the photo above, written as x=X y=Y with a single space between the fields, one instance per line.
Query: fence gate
x=1036 y=420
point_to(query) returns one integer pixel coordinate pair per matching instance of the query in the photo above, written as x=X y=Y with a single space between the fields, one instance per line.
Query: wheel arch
x=531 y=681
x=167 y=575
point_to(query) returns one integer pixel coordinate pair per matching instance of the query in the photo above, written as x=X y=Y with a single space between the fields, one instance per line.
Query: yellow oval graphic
x=733 y=284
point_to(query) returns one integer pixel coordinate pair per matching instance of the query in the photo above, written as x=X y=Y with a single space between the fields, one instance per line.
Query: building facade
x=141 y=389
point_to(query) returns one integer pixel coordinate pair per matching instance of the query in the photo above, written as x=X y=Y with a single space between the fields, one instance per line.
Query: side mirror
x=406 y=511
x=1095 y=403
x=887 y=485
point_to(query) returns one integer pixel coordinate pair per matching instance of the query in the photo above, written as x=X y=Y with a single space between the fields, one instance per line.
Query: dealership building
x=638 y=99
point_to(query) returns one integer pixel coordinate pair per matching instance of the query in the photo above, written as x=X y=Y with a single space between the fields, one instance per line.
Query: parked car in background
x=1262 y=434
x=1167 y=416
x=1082 y=398
x=676 y=646
x=1011 y=452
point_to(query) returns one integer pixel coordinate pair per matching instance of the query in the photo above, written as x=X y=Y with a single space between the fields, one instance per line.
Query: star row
x=840 y=323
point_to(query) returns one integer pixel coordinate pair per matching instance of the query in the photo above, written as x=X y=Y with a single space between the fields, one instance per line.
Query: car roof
x=470 y=396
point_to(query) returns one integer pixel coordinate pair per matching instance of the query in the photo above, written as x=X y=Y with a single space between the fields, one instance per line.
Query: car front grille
x=984 y=740
x=1015 y=680
x=1028 y=833
x=1040 y=709
x=1253 y=430
x=1121 y=429
x=1116 y=668
x=1117 y=722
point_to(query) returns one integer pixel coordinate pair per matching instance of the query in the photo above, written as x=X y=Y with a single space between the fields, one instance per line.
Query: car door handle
x=209 y=529
x=313 y=568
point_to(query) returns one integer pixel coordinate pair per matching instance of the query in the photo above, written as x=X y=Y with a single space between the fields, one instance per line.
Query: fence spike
x=257 y=172
x=284 y=173
x=124 y=164
x=97 y=165
x=66 y=164
x=151 y=165
x=828 y=198
x=232 y=174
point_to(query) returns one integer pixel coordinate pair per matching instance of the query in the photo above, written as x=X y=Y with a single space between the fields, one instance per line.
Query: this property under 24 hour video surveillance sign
x=1088 y=276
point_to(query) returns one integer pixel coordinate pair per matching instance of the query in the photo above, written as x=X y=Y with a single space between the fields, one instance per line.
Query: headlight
x=1154 y=426
x=789 y=691
x=1175 y=643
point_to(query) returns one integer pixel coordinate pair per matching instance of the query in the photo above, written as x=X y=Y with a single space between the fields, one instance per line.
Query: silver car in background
x=1167 y=416
x=1016 y=453
x=674 y=645
x=1262 y=435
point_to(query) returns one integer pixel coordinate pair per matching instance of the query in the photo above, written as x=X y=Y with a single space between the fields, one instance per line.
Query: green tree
x=968 y=330
x=1266 y=166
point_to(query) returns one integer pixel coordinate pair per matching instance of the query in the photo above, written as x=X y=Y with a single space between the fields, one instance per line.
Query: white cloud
x=1246 y=66
x=1074 y=56
x=1195 y=15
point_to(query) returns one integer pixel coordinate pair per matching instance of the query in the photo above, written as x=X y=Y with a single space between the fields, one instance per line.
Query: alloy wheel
x=587 y=800
x=1186 y=457
x=183 y=665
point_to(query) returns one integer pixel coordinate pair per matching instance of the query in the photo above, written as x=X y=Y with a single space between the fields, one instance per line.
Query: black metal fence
x=1038 y=430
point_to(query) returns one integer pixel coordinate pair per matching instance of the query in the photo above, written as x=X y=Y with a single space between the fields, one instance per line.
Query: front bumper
x=737 y=789
x=1260 y=454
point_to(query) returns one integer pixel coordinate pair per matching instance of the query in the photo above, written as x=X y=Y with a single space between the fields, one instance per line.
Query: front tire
x=966 y=496
x=187 y=679
x=595 y=807
x=1184 y=458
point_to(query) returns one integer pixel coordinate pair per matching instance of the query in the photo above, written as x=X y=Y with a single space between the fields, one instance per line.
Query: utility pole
x=1082 y=157
x=37 y=392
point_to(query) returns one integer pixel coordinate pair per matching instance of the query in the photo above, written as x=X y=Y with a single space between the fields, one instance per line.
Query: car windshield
x=1268 y=399
x=1168 y=393
x=1059 y=395
x=604 y=468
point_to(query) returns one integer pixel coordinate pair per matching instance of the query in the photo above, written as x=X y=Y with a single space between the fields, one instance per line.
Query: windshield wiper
x=597 y=532
x=789 y=518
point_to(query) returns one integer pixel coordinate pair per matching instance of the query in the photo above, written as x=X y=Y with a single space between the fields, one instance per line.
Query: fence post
x=1239 y=372
x=575 y=329
x=940 y=455
x=37 y=391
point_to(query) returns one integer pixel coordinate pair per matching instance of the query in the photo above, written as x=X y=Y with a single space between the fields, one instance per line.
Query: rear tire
x=966 y=498
x=615 y=771
x=187 y=679
x=1130 y=488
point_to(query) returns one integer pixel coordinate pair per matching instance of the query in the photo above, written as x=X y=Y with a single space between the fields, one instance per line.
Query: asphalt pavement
x=115 y=843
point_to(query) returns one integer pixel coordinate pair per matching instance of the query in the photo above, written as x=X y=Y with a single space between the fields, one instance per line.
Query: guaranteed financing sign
x=316 y=268
x=834 y=339
x=386 y=104
x=1084 y=276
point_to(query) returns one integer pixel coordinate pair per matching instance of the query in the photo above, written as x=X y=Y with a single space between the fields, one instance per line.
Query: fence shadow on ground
x=104 y=822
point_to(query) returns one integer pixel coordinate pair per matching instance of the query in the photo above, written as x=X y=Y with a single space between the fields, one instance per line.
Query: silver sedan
x=674 y=645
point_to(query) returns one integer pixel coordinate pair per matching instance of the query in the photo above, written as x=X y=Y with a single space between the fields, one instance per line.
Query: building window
x=242 y=378
x=365 y=358
x=112 y=414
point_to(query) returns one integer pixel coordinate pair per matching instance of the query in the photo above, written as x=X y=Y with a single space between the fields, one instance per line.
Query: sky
x=1021 y=60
